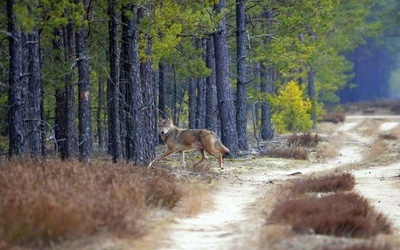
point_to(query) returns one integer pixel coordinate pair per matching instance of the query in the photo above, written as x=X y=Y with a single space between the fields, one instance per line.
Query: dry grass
x=46 y=202
x=303 y=140
x=334 y=118
x=297 y=153
x=326 y=150
x=395 y=131
x=377 y=149
x=331 y=183
x=365 y=246
x=389 y=137
x=344 y=215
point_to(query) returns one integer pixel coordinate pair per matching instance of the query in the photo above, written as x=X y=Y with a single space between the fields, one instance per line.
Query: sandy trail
x=233 y=223
x=379 y=185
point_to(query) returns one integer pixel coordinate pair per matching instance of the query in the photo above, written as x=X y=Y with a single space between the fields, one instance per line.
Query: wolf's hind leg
x=217 y=155
x=183 y=159
x=203 y=157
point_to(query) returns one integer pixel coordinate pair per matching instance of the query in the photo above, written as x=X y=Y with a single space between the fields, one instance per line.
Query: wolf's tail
x=221 y=148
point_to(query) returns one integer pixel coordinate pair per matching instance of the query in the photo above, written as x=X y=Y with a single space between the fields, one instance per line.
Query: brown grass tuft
x=334 y=118
x=390 y=137
x=365 y=246
x=326 y=150
x=331 y=183
x=303 y=140
x=344 y=215
x=297 y=153
x=45 y=202
x=377 y=149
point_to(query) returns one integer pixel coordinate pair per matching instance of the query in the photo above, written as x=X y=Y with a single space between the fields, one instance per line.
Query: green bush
x=291 y=112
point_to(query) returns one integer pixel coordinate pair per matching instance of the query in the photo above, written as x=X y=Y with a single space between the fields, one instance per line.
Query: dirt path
x=235 y=220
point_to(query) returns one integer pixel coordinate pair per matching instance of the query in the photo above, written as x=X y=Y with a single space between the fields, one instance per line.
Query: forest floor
x=248 y=187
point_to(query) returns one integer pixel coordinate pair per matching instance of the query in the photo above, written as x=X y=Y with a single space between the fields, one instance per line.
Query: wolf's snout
x=162 y=132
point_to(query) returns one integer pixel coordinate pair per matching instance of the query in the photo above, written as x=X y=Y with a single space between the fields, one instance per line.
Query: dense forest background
x=75 y=72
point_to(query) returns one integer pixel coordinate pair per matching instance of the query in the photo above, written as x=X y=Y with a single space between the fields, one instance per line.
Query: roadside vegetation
x=327 y=206
x=47 y=202
x=297 y=146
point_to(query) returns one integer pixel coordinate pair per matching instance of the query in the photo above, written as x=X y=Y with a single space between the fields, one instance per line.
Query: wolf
x=182 y=140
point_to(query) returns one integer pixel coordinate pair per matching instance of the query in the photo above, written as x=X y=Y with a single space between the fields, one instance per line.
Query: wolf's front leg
x=183 y=159
x=160 y=157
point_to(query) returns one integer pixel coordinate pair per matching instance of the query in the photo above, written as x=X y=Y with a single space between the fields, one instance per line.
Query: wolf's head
x=164 y=126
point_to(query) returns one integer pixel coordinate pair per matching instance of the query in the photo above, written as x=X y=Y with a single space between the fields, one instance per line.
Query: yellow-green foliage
x=291 y=112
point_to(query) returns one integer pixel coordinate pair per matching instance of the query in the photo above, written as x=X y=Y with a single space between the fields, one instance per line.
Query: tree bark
x=266 y=86
x=135 y=99
x=16 y=100
x=99 y=112
x=211 y=88
x=241 y=94
x=162 y=108
x=201 y=92
x=150 y=134
x=226 y=107
x=34 y=95
x=311 y=93
x=192 y=102
x=70 y=131
x=113 y=84
x=85 y=113
x=123 y=86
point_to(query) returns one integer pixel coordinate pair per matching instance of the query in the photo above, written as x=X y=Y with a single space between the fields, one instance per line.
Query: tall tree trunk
x=99 y=112
x=226 y=107
x=113 y=84
x=149 y=104
x=266 y=86
x=60 y=94
x=211 y=88
x=201 y=103
x=192 y=102
x=175 y=112
x=162 y=108
x=85 y=113
x=70 y=131
x=15 y=98
x=241 y=97
x=201 y=92
x=311 y=93
x=24 y=89
x=123 y=86
x=135 y=99
x=34 y=95
x=267 y=75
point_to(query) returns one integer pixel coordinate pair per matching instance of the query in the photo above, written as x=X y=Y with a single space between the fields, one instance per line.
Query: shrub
x=45 y=202
x=391 y=137
x=331 y=183
x=344 y=215
x=162 y=190
x=395 y=109
x=377 y=149
x=334 y=118
x=297 y=153
x=325 y=150
x=290 y=111
x=365 y=246
x=303 y=139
